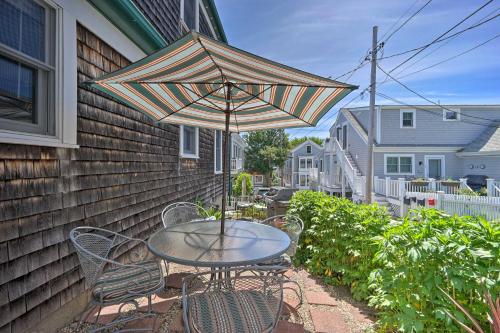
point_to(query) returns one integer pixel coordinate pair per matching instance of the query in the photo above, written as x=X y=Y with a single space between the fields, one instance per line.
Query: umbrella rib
x=211 y=58
x=277 y=108
x=194 y=92
x=191 y=103
x=252 y=97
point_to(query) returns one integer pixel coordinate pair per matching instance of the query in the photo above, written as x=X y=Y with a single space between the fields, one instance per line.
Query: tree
x=297 y=141
x=265 y=151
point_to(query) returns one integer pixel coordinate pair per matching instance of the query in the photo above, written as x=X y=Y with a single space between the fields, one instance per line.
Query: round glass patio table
x=200 y=244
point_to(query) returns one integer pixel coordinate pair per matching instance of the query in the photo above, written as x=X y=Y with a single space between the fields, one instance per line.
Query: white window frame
x=255 y=177
x=197 y=16
x=399 y=163
x=306 y=159
x=181 y=143
x=308 y=149
x=457 y=111
x=64 y=108
x=401 y=112
x=215 y=152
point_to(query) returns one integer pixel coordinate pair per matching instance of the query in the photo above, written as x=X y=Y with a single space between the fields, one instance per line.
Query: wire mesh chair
x=293 y=226
x=182 y=212
x=239 y=300
x=114 y=282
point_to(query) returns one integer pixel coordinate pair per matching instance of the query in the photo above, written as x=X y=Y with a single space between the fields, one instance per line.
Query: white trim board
x=416 y=149
x=435 y=157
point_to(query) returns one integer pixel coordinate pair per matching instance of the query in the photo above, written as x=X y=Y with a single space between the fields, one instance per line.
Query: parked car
x=476 y=182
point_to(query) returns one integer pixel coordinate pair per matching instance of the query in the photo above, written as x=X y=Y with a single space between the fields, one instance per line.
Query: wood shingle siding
x=125 y=172
x=164 y=15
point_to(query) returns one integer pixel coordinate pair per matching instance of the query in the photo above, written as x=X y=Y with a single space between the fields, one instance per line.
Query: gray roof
x=487 y=141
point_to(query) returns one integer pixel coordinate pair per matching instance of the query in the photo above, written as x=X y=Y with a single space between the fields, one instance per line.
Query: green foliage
x=266 y=150
x=212 y=212
x=297 y=141
x=237 y=185
x=337 y=239
x=427 y=251
x=399 y=266
x=467 y=191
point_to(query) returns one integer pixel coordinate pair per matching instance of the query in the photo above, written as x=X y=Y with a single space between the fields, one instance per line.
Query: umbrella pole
x=225 y=158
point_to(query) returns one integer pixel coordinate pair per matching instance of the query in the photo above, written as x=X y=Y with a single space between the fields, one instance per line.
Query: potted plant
x=451 y=183
x=419 y=182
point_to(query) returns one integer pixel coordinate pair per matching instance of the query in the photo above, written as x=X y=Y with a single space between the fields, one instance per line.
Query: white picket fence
x=493 y=188
x=487 y=207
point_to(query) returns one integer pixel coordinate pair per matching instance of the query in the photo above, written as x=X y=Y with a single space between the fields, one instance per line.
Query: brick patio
x=325 y=309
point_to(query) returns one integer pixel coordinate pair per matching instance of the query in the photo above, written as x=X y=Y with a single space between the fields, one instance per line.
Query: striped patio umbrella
x=199 y=81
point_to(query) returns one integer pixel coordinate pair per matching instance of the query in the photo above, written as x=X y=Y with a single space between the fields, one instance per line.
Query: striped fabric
x=187 y=83
x=122 y=282
x=232 y=311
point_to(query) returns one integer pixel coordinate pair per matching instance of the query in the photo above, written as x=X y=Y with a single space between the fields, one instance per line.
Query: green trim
x=210 y=5
x=130 y=20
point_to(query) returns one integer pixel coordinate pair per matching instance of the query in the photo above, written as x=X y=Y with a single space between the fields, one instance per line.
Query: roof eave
x=125 y=15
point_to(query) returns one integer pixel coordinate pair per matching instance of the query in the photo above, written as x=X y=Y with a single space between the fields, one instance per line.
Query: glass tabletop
x=200 y=243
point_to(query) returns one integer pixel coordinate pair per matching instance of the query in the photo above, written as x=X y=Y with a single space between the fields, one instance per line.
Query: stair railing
x=356 y=182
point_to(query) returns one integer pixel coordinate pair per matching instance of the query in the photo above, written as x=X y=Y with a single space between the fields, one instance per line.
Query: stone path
x=325 y=309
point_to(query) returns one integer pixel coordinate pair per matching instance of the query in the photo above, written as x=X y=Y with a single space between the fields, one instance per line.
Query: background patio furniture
x=293 y=226
x=182 y=212
x=200 y=244
x=114 y=282
x=243 y=300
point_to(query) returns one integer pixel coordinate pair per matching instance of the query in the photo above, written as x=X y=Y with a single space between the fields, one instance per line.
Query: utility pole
x=371 y=125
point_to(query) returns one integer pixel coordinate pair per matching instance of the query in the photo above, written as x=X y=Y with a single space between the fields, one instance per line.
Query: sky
x=329 y=38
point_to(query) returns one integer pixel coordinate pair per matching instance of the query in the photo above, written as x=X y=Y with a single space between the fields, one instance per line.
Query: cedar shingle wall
x=125 y=171
x=164 y=15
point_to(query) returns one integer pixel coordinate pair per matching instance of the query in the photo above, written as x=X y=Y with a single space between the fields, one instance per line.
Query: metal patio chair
x=113 y=282
x=182 y=212
x=243 y=300
x=293 y=226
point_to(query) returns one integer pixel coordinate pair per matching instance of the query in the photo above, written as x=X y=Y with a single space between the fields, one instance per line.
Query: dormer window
x=451 y=115
x=189 y=13
x=407 y=119
x=308 y=149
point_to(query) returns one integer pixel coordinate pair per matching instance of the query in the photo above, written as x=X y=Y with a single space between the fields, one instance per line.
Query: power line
x=406 y=21
x=436 y=113
x=425 y=98
x=399 y=19
x=451 y=58
x=445 y=38
x=440 y=36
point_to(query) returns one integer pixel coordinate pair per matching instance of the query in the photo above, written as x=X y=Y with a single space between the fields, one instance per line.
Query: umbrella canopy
x=199 y=81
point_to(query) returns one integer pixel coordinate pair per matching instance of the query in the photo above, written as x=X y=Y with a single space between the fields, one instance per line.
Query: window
x=27 y=67
x=320 y=165
x=258 y=179
x=305 y=163
x=189 y=13
x=399 y=164
x=308 y=149
x=188 y=141
x=339 y=132
x=407 y=118
x=451 y=115
x=302 y=180
x=218 y=152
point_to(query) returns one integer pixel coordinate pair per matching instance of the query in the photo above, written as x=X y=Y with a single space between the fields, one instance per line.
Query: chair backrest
x=93 y=246
x=290 y=224
x=181 y=212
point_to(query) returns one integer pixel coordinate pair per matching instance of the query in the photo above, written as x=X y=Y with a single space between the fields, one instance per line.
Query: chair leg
x=85 y=314
x=297 y=292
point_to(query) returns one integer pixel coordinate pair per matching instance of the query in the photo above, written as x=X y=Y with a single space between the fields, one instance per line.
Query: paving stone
x=289 y=273
x=320 y=298
x=328 y=322
x=175 y=280
x=107 y=315
x=149 y=322
x=288 y=327
x=177 y=324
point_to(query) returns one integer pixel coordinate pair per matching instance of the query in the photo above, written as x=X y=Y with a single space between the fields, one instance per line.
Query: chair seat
x=283 y=260
x=232 y=311
x=122 y=283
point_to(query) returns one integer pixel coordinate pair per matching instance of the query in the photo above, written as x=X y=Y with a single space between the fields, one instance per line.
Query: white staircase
x=381 y=200
x=349 y=168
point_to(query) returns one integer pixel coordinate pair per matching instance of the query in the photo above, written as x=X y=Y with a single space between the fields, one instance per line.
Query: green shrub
x=400 y=265
x=428 y=250
x=239 y=180
x=336 y=243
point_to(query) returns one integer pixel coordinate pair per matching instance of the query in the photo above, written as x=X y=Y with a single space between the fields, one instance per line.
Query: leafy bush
x=399 y=266
x=337 y=239
x=427 y=251
x=238 y=182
